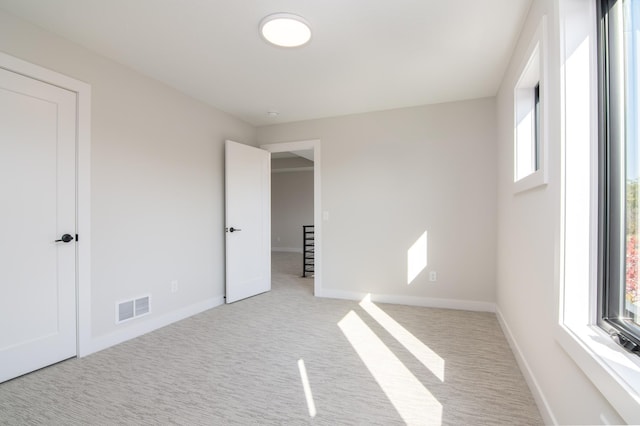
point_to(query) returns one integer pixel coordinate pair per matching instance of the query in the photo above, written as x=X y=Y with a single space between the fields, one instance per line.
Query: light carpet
x=365 y=364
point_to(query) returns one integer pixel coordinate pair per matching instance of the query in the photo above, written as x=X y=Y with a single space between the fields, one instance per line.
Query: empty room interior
x=413 y=212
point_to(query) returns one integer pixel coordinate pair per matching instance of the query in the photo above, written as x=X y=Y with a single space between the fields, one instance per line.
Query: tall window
x=619 y=170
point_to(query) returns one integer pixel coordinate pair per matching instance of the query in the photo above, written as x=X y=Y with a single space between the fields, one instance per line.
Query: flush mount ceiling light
x=285 y=30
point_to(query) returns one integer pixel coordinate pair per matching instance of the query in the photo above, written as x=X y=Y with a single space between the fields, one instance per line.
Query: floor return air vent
x=134 y=308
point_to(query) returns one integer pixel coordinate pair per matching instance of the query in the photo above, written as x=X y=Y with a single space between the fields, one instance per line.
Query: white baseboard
x=151 y=324
x=287 y=249
x=464 y=305
x=538 y=395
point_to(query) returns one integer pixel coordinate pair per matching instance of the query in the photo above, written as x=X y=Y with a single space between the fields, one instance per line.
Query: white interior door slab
x=37 y=189
x=247 y=221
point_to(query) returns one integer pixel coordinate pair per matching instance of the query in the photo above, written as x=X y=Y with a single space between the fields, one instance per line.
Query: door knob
x=65 y=238
x=232 y=229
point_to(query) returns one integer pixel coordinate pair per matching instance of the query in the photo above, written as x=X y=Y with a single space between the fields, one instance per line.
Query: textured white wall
x=528 y=248
x=387 y=177
x=157 y=180
x=291 y=207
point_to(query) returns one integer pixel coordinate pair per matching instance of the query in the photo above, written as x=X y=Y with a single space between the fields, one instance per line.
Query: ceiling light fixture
x=285 y=30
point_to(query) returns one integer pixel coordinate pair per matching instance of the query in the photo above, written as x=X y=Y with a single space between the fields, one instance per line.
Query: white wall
x=157 y=183
x=291 y=208
x=387 y=177
x=290 y=163
x=528 y=250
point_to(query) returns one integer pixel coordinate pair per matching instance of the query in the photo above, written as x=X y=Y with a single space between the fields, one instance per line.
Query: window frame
x=612 y=180
x=611 y=369
x=530 y=93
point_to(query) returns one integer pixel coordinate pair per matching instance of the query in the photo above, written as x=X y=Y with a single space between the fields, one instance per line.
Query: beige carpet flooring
x=245 y=364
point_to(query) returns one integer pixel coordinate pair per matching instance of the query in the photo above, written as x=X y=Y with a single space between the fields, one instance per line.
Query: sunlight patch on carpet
x=412 y=400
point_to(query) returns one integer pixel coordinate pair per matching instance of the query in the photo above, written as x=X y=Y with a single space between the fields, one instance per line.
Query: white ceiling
x=365 y=55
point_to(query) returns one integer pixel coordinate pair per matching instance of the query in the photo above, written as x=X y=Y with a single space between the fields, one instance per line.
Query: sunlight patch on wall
x=307 y=388
x=417 y=258
x=422 y=352
x=414 y=403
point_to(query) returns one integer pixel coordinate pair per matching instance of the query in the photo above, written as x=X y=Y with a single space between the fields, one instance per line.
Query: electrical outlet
x=174 y=286
x=433 y=276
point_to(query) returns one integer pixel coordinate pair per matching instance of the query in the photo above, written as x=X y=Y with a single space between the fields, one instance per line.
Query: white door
x=37 y=207
x=247 y=221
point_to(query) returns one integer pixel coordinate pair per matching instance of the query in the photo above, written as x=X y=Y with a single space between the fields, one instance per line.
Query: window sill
x=615 y=372
x=531 y=181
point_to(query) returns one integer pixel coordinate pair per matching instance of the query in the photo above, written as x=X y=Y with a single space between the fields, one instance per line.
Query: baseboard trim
x=287 y=249
x=151 y=324
x=428 y=302
x=536 y=391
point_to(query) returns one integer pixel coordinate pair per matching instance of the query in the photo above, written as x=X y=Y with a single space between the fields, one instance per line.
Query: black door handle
x=232 y=229
x=65 y=239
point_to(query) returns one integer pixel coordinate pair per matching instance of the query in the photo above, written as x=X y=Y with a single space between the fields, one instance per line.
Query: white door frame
x=83 y=186
x=317 y=199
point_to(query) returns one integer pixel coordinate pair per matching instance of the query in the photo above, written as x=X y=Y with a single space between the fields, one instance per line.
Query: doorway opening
x=295 y=185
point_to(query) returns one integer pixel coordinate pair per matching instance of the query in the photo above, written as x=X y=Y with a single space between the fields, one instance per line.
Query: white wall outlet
x=433 y=276
x=174 y=286
x=325 y=215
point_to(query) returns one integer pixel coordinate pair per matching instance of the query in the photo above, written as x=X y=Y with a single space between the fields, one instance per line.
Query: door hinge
x=76 y=237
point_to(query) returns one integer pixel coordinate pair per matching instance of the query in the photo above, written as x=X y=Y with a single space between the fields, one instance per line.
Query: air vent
x=142 y=306
x=125 y=311
x=134 y=308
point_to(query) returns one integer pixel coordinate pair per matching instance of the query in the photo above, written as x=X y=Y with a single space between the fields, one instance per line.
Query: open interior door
x=247 y=221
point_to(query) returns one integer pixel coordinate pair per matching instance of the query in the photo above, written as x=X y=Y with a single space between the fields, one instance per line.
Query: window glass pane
x=525 y=144
x=536 y=112
x=527 y=141
x=631 y=298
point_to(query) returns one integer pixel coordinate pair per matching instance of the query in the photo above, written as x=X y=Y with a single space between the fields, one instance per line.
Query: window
x=527 y=147
x=529 y=136
x=614 y=371
x=536 y=128
x=619 y=296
